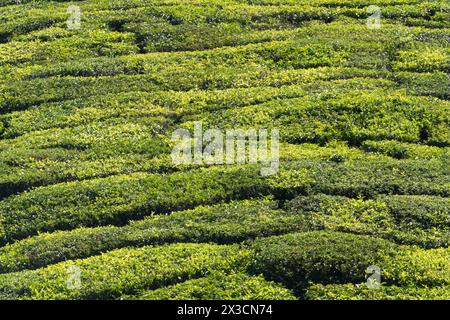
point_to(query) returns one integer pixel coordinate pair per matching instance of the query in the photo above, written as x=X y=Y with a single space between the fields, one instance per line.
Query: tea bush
x=418 y=220
x=117 y=199
x=361 y=292
x=220 y=287
x=124 y=271
x=332 y=257
x=322 y=256
x=227 y=223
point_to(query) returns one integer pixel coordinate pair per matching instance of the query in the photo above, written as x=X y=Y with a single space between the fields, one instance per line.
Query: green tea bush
x=22 y=176
x=227 y=223
x=169 y=105
x=427 y=211
x=371 y=177
x=124 y=271
x=132 y=107
x=426 y=59
x=403 y=150
x=87 y=151
x=15 y=23
x=278 y=54
x=168 y=37
x=426 y=83
x=353 y=116
x=10 y=2
x=117 y=199
x=220 y=287
x=362 y=292
x=293 y=53
x=332 y=257
x=322 y=256
x=418 y=220
x=333 y=3
x=92 y=43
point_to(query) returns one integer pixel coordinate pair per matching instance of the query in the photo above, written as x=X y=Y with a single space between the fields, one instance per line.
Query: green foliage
x=419 y=220
x=117 y=199
x=361 y=292
x=424 y=59
x=354 y=116
x=124 y=271
x=86 y=118
x=226 y=223
x=320 y=256
x=400 y=150
x=426 y=83
x=92 y=43
x=220 y=287
x=332 y=257
x=371 y=177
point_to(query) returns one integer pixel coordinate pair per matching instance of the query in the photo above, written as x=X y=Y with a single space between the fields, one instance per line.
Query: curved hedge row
x=418 y=220
x=224 y=224
x=172 y=104
x=123 y=271
x=166 y=77
x=362 y=292
x=369 y=178
x=353 y=116
x=401 y=150
x=117 y=199
x=293 y=259
x=332 y=257
x=220 y=287
x=318 y=256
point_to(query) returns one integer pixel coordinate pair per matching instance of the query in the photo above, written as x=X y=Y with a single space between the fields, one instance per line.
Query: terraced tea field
x=92 y=205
